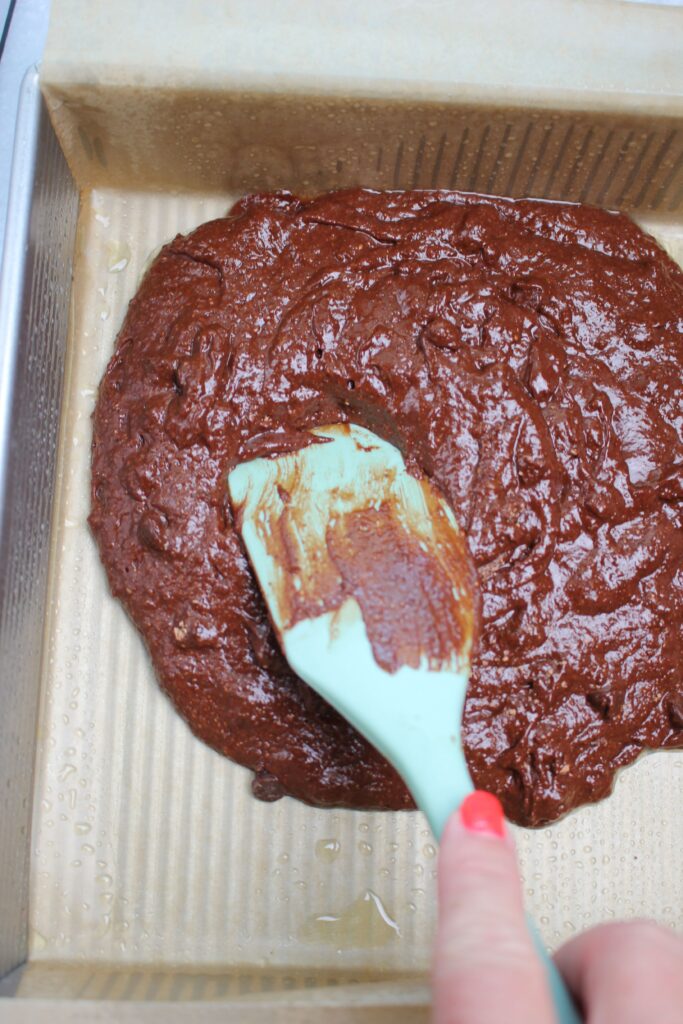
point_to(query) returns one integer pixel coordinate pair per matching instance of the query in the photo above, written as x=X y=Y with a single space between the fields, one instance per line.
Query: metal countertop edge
x=15 y=255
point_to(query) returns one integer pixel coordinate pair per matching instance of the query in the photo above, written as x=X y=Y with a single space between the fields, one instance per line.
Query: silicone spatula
x=371 y=591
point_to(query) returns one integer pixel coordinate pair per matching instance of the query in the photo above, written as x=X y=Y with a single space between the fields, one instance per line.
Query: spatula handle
x=565 y=1007
x=421 y=737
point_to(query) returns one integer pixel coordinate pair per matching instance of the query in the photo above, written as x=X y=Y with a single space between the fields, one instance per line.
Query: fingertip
x=480 y=815
x=625 y=970
x=482 y=812
x=477 y=861
x=482 y=932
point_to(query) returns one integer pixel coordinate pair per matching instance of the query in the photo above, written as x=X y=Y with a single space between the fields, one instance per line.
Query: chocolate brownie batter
x=526 y=356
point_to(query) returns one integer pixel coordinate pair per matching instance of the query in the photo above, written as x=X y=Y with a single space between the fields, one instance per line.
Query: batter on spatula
x=527 y=357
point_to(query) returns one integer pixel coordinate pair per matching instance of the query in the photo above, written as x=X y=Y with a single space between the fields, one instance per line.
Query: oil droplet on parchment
x=327 y=849
x=364 y=924
x=118 y=256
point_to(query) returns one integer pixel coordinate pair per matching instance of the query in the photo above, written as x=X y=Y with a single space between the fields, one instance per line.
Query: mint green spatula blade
x=369 y=586
x=298 y=514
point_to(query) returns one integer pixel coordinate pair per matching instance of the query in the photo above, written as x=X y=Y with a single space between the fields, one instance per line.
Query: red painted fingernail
x=482 y=812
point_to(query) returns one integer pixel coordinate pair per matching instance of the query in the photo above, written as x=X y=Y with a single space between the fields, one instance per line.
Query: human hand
x=485 y=968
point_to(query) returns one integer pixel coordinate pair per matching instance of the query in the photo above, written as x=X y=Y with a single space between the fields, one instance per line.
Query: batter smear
x=527 y=357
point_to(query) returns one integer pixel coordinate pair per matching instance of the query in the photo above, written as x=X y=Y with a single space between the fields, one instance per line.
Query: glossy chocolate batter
x=528 y=357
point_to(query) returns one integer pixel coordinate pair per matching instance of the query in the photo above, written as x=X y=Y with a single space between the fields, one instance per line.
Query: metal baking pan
x=152 y=880
x=34 y=311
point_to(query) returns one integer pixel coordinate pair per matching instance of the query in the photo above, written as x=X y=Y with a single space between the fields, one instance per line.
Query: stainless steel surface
x=24 y=43
x=34 y=308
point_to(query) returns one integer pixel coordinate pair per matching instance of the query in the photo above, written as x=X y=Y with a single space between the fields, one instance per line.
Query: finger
x=628 y=972
x=485 y=969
